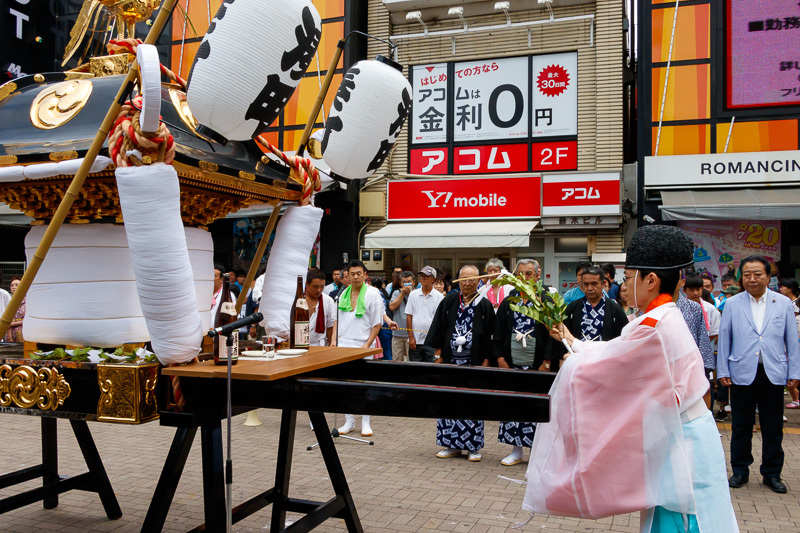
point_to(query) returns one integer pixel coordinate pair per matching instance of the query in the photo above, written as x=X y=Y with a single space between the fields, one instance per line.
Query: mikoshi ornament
x=249 y=63
x=366 y=119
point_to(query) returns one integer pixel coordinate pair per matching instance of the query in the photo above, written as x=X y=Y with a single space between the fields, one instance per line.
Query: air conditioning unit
x=373 y=259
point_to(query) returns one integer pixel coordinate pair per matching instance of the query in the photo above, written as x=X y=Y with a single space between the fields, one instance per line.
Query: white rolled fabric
x=48 y=170
x=366 y=118
x=11 y=174
x=150 y=71
x=150 y=200
x=85 y=292
x=251 y=59
x=288 y=259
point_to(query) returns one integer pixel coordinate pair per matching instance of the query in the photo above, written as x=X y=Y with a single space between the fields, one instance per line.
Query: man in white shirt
x=758 y=356
x=360 y=317
x=421 y=307
x=322 y=308
x=336 y=282
x=215 y=300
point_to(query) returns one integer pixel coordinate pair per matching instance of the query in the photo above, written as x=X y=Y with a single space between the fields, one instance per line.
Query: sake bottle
x=300 y=332
x=226 y=313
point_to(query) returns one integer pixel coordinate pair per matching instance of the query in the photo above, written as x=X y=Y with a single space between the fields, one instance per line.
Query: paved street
x=398 y=484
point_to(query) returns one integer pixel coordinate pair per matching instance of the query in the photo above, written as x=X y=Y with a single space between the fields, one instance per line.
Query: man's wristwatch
x=547 y=365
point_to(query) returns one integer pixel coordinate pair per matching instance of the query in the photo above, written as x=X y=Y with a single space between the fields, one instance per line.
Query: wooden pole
x=77 y=182
x=326 y=83
x=262 y=247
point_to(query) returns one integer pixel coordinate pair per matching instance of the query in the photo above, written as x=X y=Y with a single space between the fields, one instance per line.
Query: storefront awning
x=493 y=234
x=715 y=204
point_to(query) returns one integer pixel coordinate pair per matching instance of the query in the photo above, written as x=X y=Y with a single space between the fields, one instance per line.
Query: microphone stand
x=228 y=460
x=335 y=430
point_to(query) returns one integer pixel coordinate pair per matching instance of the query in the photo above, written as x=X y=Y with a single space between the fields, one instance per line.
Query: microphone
x=233 y=326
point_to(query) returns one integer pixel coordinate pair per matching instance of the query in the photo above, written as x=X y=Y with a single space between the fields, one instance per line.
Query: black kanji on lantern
x=308 y=36
x=333 y=124
x=402 y=113
x=269 y=102
x=380 y=157
x=347 y=85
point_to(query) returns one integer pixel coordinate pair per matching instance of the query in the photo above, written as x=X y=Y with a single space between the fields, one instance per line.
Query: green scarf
x=346 y=306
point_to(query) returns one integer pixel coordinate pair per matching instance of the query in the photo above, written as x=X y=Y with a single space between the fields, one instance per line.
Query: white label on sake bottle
x=223 y=346
x=228 y=308
x=302 y=335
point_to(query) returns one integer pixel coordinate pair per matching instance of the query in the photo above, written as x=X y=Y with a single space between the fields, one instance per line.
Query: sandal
x=793 y=405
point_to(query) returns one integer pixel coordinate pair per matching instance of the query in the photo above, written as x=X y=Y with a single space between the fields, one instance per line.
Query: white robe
x=616 y=443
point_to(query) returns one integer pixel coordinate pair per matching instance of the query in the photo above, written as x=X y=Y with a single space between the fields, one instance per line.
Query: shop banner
x=581 y=194
x=555 y=95
x=719 y=245
x=554 y=155
x=464 y=199
x=491 y=99
x=430 y=103
x=504 y=158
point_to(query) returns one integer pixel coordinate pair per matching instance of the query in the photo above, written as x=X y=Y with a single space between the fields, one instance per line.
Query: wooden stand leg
x=283 y=469
x=49 y=459
x=169 y=479
x=335 y=471
x=213 y=478
x=97 y=471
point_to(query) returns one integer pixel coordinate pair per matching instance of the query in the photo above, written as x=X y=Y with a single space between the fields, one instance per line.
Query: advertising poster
x=491 y=99
x=763 y=44
x=719 y=245
x=555 y=95
x=429 y=124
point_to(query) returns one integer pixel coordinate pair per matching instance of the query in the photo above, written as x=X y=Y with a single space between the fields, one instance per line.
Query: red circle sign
x=553 y=80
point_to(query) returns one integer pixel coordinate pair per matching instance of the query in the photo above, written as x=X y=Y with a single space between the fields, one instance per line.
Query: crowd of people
x=418 y=317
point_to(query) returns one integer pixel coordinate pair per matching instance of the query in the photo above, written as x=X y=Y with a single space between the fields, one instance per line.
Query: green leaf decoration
x=547 y=308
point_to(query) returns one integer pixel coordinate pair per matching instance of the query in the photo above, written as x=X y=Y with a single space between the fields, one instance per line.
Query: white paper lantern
x=85 y=291
x=249 y=63
x=288 y=259
x=366 y=119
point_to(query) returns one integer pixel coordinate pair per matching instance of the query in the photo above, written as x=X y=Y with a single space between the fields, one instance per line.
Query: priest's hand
x=560 y=333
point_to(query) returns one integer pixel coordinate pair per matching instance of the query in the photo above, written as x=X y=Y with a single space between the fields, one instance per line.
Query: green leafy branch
x=82 y=355
x=547 y=308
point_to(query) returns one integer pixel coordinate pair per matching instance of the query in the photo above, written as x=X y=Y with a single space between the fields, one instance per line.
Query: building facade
x=719 y=87
x=514 y=143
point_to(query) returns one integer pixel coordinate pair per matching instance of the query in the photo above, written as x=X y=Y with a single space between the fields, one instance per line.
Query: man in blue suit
x=757 y=355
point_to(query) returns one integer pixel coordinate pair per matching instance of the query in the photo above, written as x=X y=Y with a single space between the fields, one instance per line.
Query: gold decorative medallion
x=6 y=89
x=110 y=65
x=57 y=104
x=63 y=156
x=127 y=393
x=27 y=387
x=206 y=165
x=8 y=159
x=38 y=78
x=247 y=175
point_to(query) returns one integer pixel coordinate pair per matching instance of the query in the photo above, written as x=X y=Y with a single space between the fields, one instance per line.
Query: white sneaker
x=474 y=456
x=515 y=457
x=349 y=425
x=366 y=429
x=447 y=453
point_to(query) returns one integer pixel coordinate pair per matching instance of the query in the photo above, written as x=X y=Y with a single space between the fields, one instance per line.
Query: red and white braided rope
x=126 y=136
x=305 y=168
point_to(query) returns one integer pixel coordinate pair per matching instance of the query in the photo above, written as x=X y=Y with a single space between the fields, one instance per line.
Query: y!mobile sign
x=464 y=199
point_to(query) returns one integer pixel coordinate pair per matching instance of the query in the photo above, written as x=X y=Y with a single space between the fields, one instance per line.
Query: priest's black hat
x=659 y=248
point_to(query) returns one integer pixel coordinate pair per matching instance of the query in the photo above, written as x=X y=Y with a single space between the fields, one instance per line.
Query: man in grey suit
x=757 y=355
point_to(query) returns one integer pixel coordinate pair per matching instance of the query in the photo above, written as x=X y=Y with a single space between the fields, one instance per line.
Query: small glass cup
x=267 y=343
